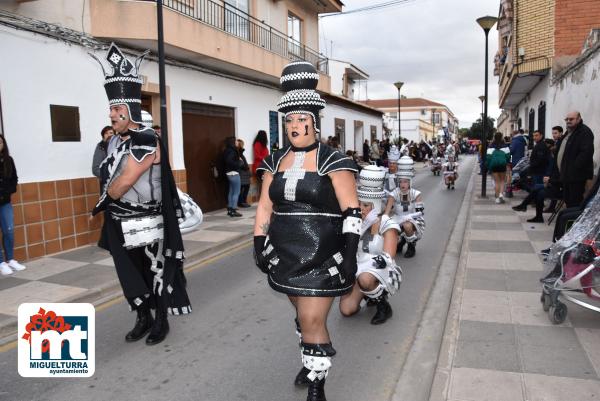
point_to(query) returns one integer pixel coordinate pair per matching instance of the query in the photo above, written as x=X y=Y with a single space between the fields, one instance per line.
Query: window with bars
x=236 y=20
x=294 y=32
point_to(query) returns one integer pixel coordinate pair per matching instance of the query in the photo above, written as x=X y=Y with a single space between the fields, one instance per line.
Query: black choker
x=308 y=148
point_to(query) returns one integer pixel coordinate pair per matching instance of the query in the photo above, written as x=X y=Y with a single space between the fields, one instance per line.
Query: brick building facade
x=537 y=39
x=572 y=22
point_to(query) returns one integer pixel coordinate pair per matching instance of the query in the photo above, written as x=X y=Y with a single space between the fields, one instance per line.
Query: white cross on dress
x=293 y=175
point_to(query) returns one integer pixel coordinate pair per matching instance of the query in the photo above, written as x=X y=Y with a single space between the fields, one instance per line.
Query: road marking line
x=13 y=344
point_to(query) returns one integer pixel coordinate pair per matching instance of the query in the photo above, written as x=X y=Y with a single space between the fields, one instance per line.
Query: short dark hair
x=521 y=131
x=538 y=131
x=558 y=128
x=108 y=127
x=155 y=127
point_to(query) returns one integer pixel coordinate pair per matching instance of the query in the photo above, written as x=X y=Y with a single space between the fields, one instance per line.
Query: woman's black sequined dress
x=306 y=226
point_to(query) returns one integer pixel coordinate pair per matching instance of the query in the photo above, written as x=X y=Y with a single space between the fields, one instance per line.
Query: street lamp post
x=399 y=86
x=486 y=23
x=482 y=98
x=164 y=129
x=433 y=131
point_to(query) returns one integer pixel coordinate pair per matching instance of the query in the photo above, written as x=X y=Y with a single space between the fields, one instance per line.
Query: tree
x=477 y=128
x=464 y=133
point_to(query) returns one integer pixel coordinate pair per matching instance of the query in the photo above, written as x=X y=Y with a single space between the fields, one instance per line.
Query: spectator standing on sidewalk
x=244 y=177
x=553 y=188
x=575 y=159
x=366 y=151
x=233 y=165
x=498 y=155
x=335 y=144
x=375 y=153
x=101 y=149
x=540 y=164
x=8 y=186
x=261 y=150
x=518 y=146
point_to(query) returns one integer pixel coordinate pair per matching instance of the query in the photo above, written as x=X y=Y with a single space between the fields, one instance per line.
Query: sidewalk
x=87 y=274
x=498 y=342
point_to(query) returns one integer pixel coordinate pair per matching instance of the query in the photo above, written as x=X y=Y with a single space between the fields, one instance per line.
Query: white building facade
x=53 y=105
x=421 y=119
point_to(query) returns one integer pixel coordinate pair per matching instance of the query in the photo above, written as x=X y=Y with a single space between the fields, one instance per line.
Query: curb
x=112 y=289
x=417 y=375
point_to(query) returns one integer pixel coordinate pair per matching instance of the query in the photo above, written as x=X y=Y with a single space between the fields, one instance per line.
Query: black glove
x=349 y=262
x=103 y=202
x=260 y=260
x=351 y=231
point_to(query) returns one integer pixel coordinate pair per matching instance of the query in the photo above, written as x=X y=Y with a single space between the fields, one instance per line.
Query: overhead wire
x=373 y=7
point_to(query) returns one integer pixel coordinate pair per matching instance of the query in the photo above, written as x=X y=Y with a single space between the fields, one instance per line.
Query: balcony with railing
x=242 y=25
x=206 y=32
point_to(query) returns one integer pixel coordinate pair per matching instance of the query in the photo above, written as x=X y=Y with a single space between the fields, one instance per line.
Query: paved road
x=239 y=343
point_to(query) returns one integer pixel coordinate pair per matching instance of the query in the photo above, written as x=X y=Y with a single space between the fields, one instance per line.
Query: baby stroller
x=436 y=165
x=519 y=177
x=573 y=267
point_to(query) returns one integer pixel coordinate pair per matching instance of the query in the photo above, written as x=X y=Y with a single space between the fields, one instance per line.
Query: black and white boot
x=316 y=358
x=384 y=310
x=410 y=250
x=143 y=323
x=160 y=328
x=302 y=376
x=400 y=246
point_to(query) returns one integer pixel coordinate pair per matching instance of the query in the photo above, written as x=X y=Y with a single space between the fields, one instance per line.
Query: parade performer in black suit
x=308 y=222
x=142 y=208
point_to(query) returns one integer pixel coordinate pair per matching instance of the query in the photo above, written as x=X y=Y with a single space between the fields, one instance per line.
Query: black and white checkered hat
x=370 y=187
x=123 y=85
x=406 y=168
x=299 y=80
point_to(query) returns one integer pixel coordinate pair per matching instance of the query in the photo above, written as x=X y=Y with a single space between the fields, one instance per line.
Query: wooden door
x=205 y=128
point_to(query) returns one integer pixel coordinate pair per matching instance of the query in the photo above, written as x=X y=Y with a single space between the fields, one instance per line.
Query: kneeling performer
x=377 y=274
x=408 y=208
x=450 y=170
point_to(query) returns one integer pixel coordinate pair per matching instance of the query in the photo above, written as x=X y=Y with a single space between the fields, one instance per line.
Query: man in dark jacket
x=575 y=159
x=552 y=182
x=540 y=159
x=539 y=167
x=366 y=150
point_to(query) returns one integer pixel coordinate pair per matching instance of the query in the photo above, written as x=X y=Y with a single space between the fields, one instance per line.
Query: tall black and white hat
x=299 y=80
x=406 y=168
x=394 y=154
x=122 y=82
x=370 y=188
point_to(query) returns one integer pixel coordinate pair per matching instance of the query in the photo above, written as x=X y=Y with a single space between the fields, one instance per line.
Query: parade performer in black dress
x=308 y=222
x=142 y=208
